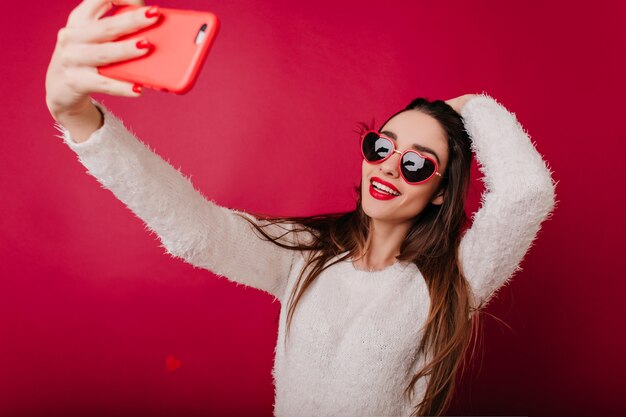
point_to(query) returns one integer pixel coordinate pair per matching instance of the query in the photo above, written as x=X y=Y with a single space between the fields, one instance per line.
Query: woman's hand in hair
x=86 y=42
x=457 y=103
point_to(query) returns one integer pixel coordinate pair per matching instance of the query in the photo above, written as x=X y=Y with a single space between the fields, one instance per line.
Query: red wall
x=91 y=307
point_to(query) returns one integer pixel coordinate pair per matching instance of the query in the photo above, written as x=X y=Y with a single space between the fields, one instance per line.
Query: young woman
x=377 y=304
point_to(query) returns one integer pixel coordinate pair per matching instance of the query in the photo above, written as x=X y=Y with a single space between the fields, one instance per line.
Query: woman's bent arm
x=189 y=225
x=519 y=195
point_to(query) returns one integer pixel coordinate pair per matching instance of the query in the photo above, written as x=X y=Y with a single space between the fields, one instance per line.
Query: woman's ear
x=438 y=198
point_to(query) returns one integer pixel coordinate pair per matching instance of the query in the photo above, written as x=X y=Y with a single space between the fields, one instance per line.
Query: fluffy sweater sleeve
x=519 y=195
x=189 y=226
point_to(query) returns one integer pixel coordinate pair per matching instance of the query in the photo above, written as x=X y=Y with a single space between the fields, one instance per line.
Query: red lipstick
x=379 y=194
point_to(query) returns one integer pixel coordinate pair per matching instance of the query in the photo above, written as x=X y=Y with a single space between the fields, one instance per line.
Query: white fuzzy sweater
x=351 y=350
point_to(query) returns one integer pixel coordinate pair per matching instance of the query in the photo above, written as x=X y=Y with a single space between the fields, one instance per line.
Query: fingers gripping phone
x=181 y=40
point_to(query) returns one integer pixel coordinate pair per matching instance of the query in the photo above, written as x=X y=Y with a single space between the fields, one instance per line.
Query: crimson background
x=91 y=307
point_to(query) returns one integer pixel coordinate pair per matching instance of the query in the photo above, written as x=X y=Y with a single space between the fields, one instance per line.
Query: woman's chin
x=388 y=210
x=378 y=213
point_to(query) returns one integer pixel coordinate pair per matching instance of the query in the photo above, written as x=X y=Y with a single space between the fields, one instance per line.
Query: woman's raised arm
x=189 y=226
x=519 y=195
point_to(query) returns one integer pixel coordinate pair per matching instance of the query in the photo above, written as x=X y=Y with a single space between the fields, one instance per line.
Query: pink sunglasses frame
x=394 y=150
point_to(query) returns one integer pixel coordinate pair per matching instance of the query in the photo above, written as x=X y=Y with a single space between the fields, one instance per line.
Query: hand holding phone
x=179 y=43
x=83 y=44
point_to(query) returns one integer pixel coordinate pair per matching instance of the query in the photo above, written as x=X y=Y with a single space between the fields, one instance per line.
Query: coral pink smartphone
x=181 y=40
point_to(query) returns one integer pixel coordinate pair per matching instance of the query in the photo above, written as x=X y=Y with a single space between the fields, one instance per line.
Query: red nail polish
x=152 y=11
x=137 y=88
x=143 y=44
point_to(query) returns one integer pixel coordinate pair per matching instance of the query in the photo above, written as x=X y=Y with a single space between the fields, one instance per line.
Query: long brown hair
x=431 y=244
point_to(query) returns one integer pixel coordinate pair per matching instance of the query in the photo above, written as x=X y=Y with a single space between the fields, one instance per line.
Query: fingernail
x=152 y=11
x=137 y=88
x=143 y=44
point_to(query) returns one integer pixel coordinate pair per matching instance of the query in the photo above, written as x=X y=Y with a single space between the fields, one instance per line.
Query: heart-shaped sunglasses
x=414 y=167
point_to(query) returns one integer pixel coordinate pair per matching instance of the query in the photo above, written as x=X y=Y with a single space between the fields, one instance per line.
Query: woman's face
x=407 y=128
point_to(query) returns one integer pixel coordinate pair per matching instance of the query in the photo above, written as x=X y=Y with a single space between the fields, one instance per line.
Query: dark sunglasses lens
x=376 y=148
x=415 y=168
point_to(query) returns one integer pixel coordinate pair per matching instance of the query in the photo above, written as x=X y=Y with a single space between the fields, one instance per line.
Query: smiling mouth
x=383 y=188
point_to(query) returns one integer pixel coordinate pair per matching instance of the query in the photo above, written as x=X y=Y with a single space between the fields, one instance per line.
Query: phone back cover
x=175 y=60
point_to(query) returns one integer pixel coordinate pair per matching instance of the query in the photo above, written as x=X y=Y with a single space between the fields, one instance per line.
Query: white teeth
x=384 y=188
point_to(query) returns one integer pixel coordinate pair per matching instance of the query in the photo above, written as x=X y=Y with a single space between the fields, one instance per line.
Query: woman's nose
x=390 y=165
